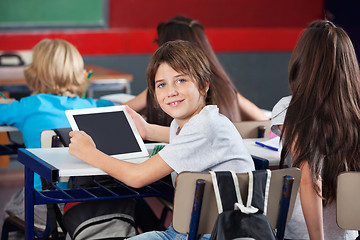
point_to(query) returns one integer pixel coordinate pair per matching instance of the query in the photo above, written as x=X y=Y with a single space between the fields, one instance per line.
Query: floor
x=11 y=180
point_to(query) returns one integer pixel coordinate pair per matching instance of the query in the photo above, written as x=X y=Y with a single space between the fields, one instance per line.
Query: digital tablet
x=112 y=129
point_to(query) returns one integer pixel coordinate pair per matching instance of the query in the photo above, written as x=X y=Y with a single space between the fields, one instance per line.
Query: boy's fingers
x=128 y=109
x=73 y=133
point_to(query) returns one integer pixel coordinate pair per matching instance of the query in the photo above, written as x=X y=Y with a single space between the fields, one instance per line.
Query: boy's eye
x=160 y=85
x=181 y=80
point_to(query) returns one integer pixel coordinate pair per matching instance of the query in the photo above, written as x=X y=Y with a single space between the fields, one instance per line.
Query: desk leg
x=29 y=204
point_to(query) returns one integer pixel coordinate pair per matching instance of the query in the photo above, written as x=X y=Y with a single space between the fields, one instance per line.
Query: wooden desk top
x=8 y=129
x=15 y=75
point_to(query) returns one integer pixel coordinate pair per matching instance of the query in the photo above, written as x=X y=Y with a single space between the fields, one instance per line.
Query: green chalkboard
x=52 y=13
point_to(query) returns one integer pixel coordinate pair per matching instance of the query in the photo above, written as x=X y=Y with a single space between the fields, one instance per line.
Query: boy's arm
x=7 y=100
x=158 y=133
x=134 y=175
x=11 y=112
x=311 y=204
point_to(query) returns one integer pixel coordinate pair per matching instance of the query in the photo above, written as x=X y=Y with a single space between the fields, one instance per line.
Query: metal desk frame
x=32 y=164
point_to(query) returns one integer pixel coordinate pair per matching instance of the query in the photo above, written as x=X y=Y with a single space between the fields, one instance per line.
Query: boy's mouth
x=174 y=103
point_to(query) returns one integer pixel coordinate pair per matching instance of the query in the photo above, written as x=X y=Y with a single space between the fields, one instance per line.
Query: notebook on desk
x=112 y=129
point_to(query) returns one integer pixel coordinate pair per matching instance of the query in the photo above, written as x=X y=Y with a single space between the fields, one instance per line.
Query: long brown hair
x=225 y=92
x=322 y=123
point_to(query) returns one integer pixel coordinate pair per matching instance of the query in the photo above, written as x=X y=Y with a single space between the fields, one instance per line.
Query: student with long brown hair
x=230 y=102
x=321 y=127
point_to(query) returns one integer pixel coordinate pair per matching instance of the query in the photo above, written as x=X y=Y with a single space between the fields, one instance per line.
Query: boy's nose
x=172 y=91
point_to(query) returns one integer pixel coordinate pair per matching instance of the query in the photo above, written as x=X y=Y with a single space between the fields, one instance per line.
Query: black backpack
x=235 y=219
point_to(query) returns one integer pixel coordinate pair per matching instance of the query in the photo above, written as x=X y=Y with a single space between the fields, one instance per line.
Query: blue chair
x=260 y=163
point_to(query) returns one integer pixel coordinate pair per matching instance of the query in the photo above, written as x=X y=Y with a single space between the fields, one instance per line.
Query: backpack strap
x=226 y=188
x=258 y=192
x=228 y=195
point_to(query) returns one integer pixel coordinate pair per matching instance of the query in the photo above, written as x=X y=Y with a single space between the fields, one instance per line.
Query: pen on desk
x=266 y=146
x=2 y=95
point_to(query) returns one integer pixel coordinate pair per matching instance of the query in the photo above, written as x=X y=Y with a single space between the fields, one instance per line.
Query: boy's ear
x=207 y=85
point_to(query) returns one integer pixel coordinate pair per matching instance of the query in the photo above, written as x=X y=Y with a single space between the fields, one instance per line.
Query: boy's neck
x=181 y=123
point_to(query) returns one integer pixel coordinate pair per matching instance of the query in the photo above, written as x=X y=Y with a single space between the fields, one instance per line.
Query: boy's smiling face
x=178 y=94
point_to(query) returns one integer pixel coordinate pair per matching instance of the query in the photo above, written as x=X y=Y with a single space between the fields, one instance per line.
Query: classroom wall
x=253 y=39
x=215 y=13
x=259 y=76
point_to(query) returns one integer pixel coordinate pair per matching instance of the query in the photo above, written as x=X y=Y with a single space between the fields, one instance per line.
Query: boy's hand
x=7 y=100
x=139 y=121
x=81 y=145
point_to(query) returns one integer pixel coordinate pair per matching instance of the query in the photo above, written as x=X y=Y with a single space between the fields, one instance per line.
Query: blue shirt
x=34 y=114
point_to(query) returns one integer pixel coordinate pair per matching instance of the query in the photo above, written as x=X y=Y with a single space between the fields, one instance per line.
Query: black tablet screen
x=110 y=131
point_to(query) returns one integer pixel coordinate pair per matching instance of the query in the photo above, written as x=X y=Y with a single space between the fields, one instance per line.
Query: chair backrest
x=347 y=201
x=62 y=133
x=45 y=138
x=184 y=198
x=249 y=129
